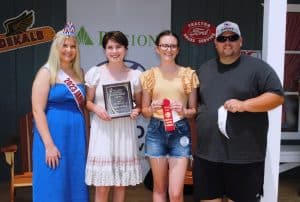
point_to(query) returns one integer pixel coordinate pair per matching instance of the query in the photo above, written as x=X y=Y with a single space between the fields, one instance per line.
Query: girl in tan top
x=168 y=148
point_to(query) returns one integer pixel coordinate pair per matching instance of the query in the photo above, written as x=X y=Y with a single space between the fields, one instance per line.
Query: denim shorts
x=160 y=143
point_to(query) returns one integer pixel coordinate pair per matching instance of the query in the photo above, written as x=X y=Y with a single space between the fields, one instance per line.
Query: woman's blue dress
x=67 y=128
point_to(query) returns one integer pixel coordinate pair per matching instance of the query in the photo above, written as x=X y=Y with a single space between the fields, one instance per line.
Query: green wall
x=18 y=67
x=248 y=14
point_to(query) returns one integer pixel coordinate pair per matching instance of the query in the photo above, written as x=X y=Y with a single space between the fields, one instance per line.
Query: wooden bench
x=24 y=178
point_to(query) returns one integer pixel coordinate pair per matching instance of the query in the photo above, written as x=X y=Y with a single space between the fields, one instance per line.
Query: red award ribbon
x=168 y=118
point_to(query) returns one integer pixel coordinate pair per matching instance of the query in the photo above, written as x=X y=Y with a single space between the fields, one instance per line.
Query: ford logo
x=198 y=32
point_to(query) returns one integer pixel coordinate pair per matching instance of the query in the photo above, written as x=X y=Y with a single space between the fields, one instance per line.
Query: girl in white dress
x=113 y=159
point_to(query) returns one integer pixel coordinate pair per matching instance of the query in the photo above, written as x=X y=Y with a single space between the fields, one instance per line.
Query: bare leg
x=177 y=172
x=119 y=194
x=101 y=193
x=159 y=168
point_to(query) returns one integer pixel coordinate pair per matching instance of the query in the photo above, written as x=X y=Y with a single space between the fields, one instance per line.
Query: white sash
x=73 y=88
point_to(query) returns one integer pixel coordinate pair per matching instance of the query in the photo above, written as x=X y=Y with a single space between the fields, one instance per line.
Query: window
x=291 y=82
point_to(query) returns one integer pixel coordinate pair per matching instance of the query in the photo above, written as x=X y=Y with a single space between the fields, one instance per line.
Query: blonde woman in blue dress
x=113 y=160
x=59 y=142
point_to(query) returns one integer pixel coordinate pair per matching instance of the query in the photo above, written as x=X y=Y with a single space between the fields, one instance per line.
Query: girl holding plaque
x=113 y=159
x=169 y=98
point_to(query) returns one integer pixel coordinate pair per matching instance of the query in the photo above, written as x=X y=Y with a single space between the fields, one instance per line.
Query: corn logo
x=20 y=34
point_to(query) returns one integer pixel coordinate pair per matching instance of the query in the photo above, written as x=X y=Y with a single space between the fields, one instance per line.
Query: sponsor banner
x=19 y=32
x=198 y=32
x=135 y=18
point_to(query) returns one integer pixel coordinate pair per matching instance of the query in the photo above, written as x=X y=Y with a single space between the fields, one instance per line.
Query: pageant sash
x=73 y=88
x=168 y=118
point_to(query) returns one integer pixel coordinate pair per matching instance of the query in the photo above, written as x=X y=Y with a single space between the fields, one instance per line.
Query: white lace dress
x=113 y=158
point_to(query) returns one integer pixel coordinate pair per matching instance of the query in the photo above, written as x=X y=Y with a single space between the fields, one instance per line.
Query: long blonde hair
x=54 y=60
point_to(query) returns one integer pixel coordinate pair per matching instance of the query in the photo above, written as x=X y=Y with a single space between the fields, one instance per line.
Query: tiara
x=69 y=29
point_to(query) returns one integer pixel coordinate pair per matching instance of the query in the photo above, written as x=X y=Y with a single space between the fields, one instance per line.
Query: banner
x=140 y=20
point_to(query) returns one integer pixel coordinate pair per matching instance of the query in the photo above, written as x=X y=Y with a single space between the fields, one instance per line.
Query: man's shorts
x=238 y=182
x=159 y=143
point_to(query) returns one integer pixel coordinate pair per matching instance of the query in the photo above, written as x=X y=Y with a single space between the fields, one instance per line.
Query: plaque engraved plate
x=118 y=99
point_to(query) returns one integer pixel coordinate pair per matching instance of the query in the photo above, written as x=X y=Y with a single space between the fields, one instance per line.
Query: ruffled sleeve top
x=177 y=88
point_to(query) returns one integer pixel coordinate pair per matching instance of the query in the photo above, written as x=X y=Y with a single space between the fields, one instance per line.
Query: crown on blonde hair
x=69 y=29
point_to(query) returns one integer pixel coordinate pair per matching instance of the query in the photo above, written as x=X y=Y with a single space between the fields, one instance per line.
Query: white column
x=273 y=53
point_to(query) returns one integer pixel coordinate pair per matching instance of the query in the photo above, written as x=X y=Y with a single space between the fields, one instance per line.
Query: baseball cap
x=227 y=26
